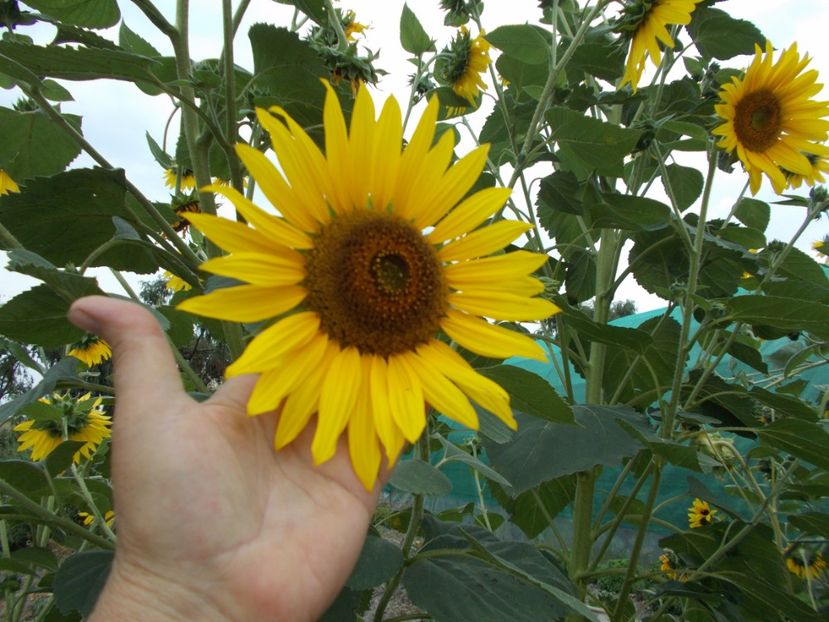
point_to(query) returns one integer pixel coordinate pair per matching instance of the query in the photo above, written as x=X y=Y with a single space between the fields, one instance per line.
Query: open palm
x=212 y=523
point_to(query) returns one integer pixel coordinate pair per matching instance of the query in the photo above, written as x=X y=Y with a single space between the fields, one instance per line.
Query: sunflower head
x=668 y=565
x=67 y=418
x=461 y=64
x=700 y=514
x=88 y=519
x=92 y=350
x=377 y=259
x=7 y=184
x=182 y=205
x=819 y=165
x=805 y=564
x=644 y=24
x=184 y=176
x=175 y=283
x=771 y=121
x=351 y=26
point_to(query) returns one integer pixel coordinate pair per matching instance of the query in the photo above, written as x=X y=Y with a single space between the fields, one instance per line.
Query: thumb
x=145 y=370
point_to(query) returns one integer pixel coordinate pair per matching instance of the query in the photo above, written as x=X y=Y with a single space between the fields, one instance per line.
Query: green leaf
x=24 y=476
x=530 y=393
x=528 y=43
x=718 y=35
x=289 y=70
x=632 y=339
x=65 y=217
x=38 y=316
x=133 y=42
x=413 y=37
x=521 y=74
x=541 y=450
x=781 y=313
x=622 y=211
x=580 y=278
x=454 y=454
x=65 y=369
x=598 y=55
x=39 y=411
x=803 y=439
x=753 y=213
x=419 y=477
x=30 y=561
x=85 y=13
x=594 y=144
x=33 y=145
x=22 y=355
x=53 y=91
x=315 y=9
x=560 y=191
x=158 y=153
x=61 y=457
x=811 y=523
x=378 y=561
x=80 y=579
x=743 y=236
x=686 y=184
x=532 y=510
x=68 y=285
x=79 y=63
x=659 y=260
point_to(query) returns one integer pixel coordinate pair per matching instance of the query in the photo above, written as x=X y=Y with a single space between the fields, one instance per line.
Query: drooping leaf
x=718 y=35
x=622 y=211
x=542 y=450
x=560 y=191
x=66 y=368
x=590 y=144
x=530 y=393
x=378 y=561
x=80 y=579
x=419 y=477
x=685 y=183
x=85 y=13
x=68 y=285
x=803 y=439
x=781 y=313
x=38 y=316
x=753 y=213
x=25 y=477
x=532 y=510
x=33 y=145
x=526 y=42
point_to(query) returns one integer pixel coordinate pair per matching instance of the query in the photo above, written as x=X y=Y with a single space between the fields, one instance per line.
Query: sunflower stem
x=336 y=24
x=45 y=516
x=10 y=242
x=93 y=507
x=231 y=131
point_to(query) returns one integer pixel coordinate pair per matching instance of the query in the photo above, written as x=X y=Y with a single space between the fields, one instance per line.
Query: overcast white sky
x=116 y=114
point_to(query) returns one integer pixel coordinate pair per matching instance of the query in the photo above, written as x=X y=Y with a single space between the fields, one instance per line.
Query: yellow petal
x=271 y=227
x=258 y=269
x=267 y=348
x=388 y=140
x=483 y=241
x=245 y=303
x=494 y=269
x=275 y=188
x=361 y=143
x=486 y=339
x=405 y=398
x=303 y=401
x=504 y=306
x=338 y=395
x=336 y=151
x=363 y=446
x=230 y=235
x=408 y=194
x=452 y=187
x=469 y=214
x=519 y=286
x=441 y=394
x=389 y=433
x=274 y=384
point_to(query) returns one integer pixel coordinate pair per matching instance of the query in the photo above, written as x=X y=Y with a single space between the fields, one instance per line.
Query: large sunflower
x=771 y=120
x=79 y=421
x=378 y=254
x=648 y=21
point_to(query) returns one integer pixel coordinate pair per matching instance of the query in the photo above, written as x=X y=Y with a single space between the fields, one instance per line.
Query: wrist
x=133 y=594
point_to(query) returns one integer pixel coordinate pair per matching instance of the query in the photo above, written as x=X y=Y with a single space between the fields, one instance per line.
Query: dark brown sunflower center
x=757 y=120
x=376 y=283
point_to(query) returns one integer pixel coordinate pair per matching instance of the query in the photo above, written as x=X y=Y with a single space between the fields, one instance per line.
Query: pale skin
x=213 y=524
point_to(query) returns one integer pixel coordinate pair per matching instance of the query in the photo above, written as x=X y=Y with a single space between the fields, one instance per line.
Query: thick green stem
x=231 y=134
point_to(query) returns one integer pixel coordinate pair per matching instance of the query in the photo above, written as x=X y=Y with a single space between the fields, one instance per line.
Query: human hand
x=213 y=524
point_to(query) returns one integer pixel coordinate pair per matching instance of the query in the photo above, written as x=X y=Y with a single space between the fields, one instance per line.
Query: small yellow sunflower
x=88 y=519
x=83 y=422
x=188 y=180
x=700 y=514
x=463 y=63
x=771 y=120
x=649 y=27
x=351 y=26
x=805 y=565
x=819 y=165
x=91 y=351
x=378 y=253
x=176 y=283
x=7 y=184
x=668 y=567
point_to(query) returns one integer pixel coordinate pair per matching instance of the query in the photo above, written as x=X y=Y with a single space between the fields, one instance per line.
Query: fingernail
x=81 y=318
